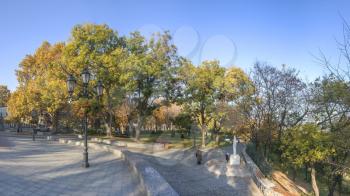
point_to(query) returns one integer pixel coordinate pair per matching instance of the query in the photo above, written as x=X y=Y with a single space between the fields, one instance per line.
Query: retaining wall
x=152 y=182
x=264 y=184
x=155 y=146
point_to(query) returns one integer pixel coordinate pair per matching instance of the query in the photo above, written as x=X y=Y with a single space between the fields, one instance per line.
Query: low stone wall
x=155 y=146
x=151 y=181
x=264 y=184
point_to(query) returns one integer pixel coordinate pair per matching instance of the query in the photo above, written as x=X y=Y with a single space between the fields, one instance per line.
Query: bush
x=92 y=131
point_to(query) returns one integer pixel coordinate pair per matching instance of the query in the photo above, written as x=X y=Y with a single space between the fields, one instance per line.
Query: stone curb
x=152 y=183
x=155 y=146
x=264 y=184
x=151 y=180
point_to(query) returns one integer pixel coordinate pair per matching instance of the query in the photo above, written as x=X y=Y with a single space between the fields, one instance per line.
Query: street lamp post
x=1 y=122
x=71 y=82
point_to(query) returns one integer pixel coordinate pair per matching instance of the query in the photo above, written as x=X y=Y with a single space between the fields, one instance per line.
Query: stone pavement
x=179 y=168
x=48 y=168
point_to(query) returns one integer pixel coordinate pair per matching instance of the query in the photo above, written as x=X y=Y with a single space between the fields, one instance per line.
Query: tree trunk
x=55 y=121
x=294 y=170
x=331 y=188
x=336 y=180
x=130 y=133
x=203 y=127
x=110 y=119
x=306 y=173
x=217 y=139
x=138 y=127
x=109 y=113
x=203 y=134
x=340 y=183
x=313 y=181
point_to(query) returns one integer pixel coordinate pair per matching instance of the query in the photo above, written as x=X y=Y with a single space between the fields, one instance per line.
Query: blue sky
x=235 y=32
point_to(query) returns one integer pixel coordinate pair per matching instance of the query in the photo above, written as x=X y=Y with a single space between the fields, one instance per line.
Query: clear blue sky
x=235 y=32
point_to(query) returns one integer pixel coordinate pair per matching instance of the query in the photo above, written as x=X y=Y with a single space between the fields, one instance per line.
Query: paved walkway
x=179 y=168
x=48 y=168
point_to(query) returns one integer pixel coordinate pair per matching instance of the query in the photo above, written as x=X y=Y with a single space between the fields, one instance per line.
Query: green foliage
x=305 y=144
x=149 y=74
x=150 y=69
x=184 y=121
x=212 y=92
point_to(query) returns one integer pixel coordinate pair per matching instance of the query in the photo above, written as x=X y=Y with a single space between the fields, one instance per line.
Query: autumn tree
x=41 y=85
x=99 y=48
x=165 y=115
x=4 y=95
x=17 y=105
x=124 y=114
x=233 y=89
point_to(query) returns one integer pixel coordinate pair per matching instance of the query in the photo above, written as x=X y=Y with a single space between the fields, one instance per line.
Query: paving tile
x=49 y=168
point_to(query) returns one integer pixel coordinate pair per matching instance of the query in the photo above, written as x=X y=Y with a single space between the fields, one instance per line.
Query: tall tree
x=18 y=105
x=280 y=102
x=100 y=49
x=150 y=66
x=4 y=95
x=233 y=88
x=200 y=92
x=331 y=109
x=41 y=85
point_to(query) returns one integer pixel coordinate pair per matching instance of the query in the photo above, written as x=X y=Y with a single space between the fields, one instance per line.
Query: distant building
x=3 y=111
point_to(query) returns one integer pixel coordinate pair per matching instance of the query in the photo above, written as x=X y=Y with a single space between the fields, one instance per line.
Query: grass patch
x=166 y=137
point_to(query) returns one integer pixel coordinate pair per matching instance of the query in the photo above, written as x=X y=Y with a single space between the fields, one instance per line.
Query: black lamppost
x=1 y=122
x=71 y=82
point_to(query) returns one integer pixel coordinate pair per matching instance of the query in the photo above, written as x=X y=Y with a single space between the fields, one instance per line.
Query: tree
x=200 y=92
x=99 y=48
x=233 y=89
x=149 y=70
x=18 y=105
x=306 y=144
x=124 y=113
x=280 y=101
x=4 y=95
x=331 y=107
x=165 y=115
x=183 y=121
x=41 y=85
x=211 y=92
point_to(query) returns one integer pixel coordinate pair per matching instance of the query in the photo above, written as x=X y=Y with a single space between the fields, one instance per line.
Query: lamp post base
x=85 y=163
